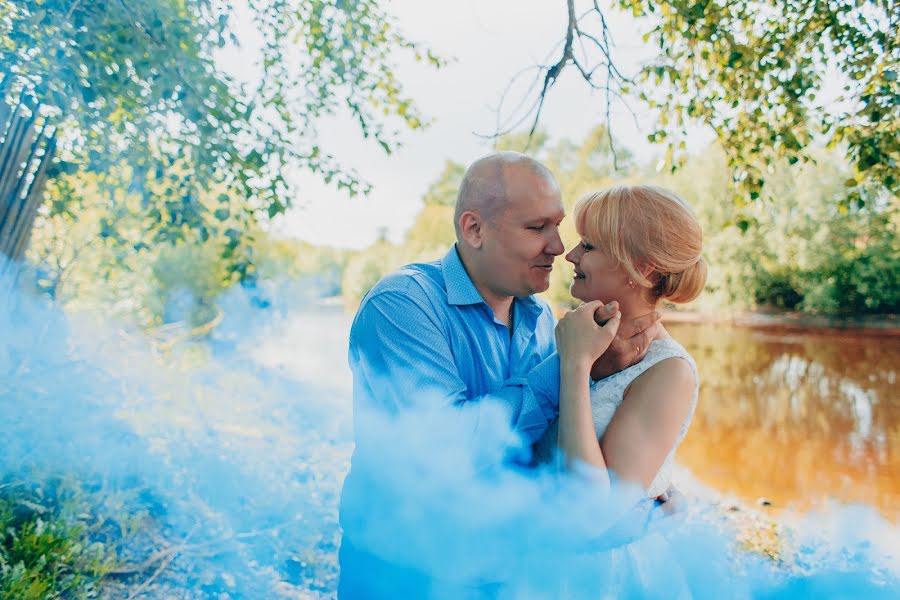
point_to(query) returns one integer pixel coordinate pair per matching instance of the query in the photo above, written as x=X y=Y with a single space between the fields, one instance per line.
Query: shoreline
x=871 y=325
x=887 y=325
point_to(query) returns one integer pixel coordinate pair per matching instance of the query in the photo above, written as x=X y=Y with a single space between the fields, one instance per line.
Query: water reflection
x=796 y=418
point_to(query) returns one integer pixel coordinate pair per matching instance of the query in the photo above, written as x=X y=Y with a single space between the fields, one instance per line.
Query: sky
x=488 y=42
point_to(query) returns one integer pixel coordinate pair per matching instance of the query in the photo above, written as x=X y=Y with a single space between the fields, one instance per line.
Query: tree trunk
x=26 y=152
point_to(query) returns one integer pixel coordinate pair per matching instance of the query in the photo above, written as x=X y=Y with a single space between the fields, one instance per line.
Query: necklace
x=509 y=318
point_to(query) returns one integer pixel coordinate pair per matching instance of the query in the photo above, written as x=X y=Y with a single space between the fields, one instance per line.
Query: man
x=465 y=331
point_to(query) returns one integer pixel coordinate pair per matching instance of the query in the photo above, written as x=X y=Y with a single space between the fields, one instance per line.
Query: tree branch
x=612 y=86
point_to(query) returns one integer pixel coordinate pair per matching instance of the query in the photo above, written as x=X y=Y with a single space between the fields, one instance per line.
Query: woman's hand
x=579 y=339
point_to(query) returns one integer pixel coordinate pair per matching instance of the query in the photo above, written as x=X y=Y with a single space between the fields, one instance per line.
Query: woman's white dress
x=646 y=567
x=607 y=396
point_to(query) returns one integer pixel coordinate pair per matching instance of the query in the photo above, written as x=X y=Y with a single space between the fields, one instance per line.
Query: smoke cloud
x=235 y=450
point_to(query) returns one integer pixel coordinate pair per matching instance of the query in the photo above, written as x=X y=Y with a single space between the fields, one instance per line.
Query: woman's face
x=597 y=275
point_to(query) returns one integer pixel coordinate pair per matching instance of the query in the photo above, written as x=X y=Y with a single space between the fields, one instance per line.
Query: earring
x=631 y=284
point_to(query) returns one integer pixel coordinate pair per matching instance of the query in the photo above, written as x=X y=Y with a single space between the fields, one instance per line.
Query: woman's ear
x=646 y=270
x=470 y=228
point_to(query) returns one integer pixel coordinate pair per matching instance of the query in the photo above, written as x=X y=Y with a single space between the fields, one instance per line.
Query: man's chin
x=541 y=286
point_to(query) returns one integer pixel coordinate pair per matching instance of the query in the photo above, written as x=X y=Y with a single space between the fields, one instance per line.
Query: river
x=797 y=419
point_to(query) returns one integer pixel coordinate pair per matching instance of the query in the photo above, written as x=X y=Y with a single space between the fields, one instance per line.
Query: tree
x=139 y=80
x=756 y=72
x=432 y=231
x=801 y=251
x=365 y=268
x=443 y=191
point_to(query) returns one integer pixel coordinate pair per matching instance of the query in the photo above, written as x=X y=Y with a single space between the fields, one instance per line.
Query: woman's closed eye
x=585 y=246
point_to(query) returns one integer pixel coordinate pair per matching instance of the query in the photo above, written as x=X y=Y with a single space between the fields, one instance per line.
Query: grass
x=46 y=550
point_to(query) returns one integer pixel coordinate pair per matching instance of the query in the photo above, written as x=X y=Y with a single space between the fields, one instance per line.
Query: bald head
x=486 y=184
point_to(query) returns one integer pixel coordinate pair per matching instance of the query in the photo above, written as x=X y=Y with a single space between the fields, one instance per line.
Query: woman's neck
x=634 y=307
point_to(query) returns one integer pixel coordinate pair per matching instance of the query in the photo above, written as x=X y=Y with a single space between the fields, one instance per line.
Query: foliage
x=443 y=191
x=145 y=80
x=762 y=76
x=798 y=249
x=80 y=266
x=431 y=234
x=187 y=280
x=756 y=73
x=44 y=550
x=89 y=250
x=321 y=267
x=860 y=275
x=366 y=267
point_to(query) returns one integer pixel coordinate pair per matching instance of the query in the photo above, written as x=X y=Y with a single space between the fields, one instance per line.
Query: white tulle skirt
x=645 y=568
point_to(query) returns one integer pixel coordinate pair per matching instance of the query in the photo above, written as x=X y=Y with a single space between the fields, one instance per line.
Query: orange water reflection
x=797 y=418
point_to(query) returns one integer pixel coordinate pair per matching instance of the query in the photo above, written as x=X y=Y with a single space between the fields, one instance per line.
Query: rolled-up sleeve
x=540 y=400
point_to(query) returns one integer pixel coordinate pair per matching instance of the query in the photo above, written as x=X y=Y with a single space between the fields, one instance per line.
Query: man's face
x=522 y=241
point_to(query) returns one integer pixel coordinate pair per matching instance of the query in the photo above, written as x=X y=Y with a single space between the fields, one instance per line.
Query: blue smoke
x=237 y=448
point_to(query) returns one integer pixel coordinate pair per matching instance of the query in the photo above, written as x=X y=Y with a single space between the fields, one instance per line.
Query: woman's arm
x=647 y=423
x=580 y=340
x=577 y=436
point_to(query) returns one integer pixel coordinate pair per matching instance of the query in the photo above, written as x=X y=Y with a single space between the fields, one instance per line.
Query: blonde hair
x=646 y=226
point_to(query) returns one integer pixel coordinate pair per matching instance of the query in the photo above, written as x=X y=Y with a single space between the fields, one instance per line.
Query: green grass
x=46 y=549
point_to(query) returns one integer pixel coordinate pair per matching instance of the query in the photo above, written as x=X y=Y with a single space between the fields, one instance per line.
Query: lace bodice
x=607 y=395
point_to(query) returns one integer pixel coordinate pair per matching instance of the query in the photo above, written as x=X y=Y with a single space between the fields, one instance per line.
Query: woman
x=640 y=245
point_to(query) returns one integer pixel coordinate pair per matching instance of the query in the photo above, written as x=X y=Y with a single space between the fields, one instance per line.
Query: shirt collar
x=530 y=304
x=461 y=289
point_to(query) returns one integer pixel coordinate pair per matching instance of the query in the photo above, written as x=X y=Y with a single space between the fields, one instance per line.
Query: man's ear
x=470 y=228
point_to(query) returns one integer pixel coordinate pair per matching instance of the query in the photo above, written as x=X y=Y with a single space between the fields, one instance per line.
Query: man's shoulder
x=412 y=292
x=414 y=279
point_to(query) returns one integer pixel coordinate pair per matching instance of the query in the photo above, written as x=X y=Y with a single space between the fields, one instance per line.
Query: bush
x=777 y=288
x=865 y=281
x=44 y=551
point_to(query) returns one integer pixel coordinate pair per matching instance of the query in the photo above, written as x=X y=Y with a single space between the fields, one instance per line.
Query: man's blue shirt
x=425 y=335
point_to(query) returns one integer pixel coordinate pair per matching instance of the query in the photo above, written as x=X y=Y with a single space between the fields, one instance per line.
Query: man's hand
x=580 y=339
x=630 y=344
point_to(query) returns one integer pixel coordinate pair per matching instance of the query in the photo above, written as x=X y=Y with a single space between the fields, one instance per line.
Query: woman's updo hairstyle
x=646 y=226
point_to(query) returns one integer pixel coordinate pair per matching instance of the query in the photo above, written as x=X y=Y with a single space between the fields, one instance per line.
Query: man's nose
x=555 y=247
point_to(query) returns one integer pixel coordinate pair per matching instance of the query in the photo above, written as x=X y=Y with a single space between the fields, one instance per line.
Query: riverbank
x=797 y=541
x=874 y=325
